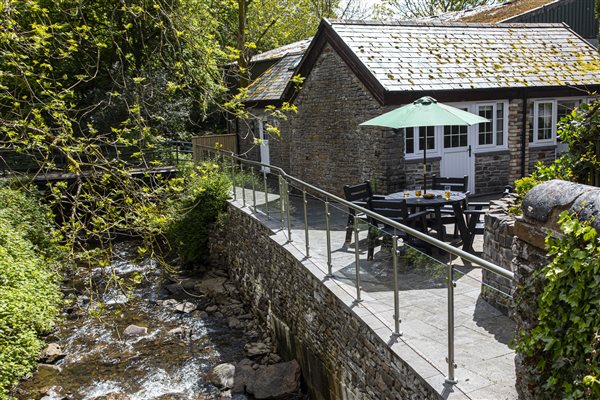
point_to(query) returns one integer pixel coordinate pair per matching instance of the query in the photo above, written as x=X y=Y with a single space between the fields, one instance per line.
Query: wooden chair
x=469 y=220
x=359 y=195
x=448 y=215
x=396 y=210
x=456 y=184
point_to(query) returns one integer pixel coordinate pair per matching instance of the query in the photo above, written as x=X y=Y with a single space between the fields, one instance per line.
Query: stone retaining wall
x=541 y=209
x=498 y=240
x=341 y=357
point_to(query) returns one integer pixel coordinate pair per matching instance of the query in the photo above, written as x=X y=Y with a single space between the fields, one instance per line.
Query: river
x=170 y=361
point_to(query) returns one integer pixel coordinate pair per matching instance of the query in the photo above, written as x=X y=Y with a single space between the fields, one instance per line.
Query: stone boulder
x=275 y=381
x=52 y=353
x=186 y=307
x=213 y=287
x=135 y=331
x=222 y=376
x=256 y=349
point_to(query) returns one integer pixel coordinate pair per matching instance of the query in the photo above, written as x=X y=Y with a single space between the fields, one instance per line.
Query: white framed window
x=485 y=130
x=544 y=115
x=492 y=135
x=415 y=140
x=542 y=122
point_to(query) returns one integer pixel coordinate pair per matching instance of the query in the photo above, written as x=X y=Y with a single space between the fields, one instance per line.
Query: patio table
x=456 y=201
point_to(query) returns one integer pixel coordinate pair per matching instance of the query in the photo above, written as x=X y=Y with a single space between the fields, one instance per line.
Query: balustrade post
x=396 y=291
x=328 y=239
x=233 y=162
x=266 y=194
x=253 y=190
x=243 y=184
x=287 y=208
x=451 y=365
x=305 y=204
x=357 y=259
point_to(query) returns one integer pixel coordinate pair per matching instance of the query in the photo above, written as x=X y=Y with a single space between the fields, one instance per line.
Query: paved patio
x=485 y=361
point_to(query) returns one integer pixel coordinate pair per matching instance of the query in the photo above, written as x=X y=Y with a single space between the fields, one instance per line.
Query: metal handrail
x=413 y=232
x=284 y=179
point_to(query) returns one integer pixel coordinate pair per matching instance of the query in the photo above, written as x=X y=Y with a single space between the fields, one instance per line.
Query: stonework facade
x=498 y=240
x=340 y=355
x=324 y=145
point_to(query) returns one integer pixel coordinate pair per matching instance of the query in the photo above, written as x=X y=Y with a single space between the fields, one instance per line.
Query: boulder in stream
x=222 y=376
x=213 y=287
x=135 y=331
x=52 y=353
x=275 y=381
x=256 y=349
x=186 y=307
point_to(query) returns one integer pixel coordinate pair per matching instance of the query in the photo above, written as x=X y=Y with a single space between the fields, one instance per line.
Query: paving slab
x=485 y=361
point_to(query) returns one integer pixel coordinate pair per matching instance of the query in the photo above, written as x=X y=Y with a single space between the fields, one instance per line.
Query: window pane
x=430 y=132
x=499 y=124
x=455 y=136
x=409 y=135
x=544 y=131
x=564 y=107
x=530 y=123
x=486 y=131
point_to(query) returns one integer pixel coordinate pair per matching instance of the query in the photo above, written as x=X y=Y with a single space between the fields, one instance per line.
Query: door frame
x=264 y=145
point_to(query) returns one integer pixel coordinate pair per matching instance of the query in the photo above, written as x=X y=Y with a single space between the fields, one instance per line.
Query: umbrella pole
x=425 y=165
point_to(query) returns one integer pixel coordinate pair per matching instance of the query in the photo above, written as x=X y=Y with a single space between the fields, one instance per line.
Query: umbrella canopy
x=425 y=111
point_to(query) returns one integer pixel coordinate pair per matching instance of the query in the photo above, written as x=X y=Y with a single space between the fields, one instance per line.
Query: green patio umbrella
x=425 y=111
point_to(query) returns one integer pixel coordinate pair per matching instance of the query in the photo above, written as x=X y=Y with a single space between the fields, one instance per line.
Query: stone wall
x=515 y=132
x=328 y=147
x=546 y=155
x=498 y=239
x=492 y=172
x=414 y=171
x=341 y=357
x=541 y=209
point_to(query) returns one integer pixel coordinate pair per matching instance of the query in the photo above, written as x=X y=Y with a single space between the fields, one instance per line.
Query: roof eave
x=453 y=95
x=327 y=35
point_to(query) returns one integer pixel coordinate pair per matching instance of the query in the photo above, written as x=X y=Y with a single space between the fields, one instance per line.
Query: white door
x=457 y=154
x=264 y=145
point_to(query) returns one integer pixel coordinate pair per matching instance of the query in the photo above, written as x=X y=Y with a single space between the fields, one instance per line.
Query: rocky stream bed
x=169 y=338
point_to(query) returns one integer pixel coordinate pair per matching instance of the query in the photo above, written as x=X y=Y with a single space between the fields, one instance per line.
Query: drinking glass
x=406 y=194
x=418 y=191
x=447 y=192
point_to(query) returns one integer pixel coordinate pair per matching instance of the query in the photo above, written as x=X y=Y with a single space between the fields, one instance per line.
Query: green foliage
x=525 y=184
x=423 y=8
x=205 y=191
x=581 y=131
x=562 y=349
x=581 y=163
x=29 y=293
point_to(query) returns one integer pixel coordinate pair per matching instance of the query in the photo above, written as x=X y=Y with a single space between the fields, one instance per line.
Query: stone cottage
x=522 y=77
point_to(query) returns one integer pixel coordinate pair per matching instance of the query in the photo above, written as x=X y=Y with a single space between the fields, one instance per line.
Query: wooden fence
x=225 y=142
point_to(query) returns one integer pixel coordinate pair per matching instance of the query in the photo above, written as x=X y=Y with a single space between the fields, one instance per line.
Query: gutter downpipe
x=524 y=136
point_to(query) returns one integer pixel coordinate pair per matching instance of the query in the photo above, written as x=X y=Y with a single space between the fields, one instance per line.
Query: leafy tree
x=407 y=9
x=91 y=86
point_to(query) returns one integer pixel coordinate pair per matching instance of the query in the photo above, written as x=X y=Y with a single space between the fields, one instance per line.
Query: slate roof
x=271 y=85
x=413 y=56
x=274 y=54
x=492 y=13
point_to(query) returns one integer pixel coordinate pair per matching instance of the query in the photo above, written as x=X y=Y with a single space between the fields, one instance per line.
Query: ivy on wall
x=561 y=352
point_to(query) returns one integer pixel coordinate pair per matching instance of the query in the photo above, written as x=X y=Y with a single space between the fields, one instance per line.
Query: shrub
x=29 y=293
x=561 y=350
x=204 y=194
